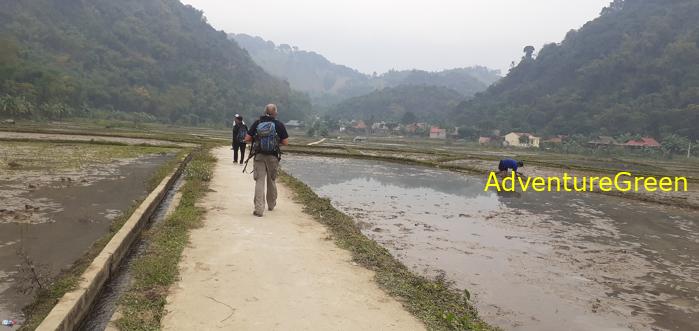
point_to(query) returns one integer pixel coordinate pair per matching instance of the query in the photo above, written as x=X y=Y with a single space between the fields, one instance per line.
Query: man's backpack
x=242 y=131
x=266 y=138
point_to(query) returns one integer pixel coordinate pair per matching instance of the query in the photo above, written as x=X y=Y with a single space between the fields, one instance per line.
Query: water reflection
x=386 y=174
x=599 y=261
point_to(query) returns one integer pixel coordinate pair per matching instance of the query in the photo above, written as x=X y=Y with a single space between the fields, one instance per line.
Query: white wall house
x=513 y=139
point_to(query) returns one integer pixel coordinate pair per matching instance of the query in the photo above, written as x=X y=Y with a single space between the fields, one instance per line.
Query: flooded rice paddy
x=54 y=209
x=533 y=261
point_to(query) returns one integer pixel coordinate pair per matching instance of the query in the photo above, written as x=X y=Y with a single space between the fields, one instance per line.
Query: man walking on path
x=239 y=132
x=267 y=134
x=236 y=274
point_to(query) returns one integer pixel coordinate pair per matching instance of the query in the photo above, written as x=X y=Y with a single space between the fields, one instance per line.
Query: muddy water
x=534 y=261
x=74 y=215
x=106 y=303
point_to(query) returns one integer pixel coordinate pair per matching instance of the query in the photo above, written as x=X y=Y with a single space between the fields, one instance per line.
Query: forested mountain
x=309 y=72
x=405 y=103
x=150 y=59
x=634 y=69
x=467 y=81
x=328 y=83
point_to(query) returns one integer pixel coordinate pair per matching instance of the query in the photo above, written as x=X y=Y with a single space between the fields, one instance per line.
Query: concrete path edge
x=74 y=305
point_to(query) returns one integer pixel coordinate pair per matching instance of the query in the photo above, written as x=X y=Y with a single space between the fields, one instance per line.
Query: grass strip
x=436 y=302
x=142 y=306
x=68 y=280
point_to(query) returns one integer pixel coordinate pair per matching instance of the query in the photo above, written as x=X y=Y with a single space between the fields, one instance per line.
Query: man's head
x=238 y=118
x=271 y=110
x=520 y=164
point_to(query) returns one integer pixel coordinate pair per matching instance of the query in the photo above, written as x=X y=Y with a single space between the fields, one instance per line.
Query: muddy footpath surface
x=50 y=218
x=532 y=261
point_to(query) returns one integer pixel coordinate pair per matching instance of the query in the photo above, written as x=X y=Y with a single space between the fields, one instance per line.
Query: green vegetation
x=328 y=83
x=67 y=281
x=129 y=60
x=142 y=306
x=399 y=104
x=435 y=302
x=632 y=70
x=466 y=81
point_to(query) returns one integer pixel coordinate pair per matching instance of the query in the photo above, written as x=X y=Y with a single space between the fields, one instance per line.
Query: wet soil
x=688 y=198
x=54 y=222
x=87 y=138
x=534 y=261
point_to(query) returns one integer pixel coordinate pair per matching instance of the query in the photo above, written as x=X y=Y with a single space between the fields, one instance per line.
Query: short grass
x=439 y=305
x=142 y=306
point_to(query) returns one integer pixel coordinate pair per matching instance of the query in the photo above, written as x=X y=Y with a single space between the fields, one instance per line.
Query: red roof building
x=438 y=133
x=360 y=125
x=643 y=142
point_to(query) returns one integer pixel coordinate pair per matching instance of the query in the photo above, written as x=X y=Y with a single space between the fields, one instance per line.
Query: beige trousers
x=265 y=170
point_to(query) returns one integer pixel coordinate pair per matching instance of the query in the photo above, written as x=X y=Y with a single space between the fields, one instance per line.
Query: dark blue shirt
x=509 y=164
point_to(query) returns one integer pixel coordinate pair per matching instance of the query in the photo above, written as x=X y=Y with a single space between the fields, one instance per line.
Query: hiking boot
x=257 y=214
x=270 y=208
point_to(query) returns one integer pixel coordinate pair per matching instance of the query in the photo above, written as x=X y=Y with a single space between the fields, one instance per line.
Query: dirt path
x=279 y=272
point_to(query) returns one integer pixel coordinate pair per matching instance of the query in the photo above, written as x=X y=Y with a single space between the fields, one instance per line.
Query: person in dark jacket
x=240 y=130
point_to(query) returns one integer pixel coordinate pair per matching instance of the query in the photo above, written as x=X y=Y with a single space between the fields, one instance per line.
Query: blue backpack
x=266 y=138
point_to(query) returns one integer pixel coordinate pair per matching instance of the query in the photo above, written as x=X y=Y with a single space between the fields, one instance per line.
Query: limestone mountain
x=404 y=103
x=328 y=83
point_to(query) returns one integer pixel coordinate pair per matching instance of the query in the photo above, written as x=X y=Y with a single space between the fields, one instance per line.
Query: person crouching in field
x=240 y=130
x=507 y=164
x=267 y=135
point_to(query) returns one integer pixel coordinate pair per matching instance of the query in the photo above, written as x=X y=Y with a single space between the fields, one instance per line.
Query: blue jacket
x=509 y=164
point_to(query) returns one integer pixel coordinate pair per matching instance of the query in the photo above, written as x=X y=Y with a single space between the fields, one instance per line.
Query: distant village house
x=491 y=141
x=645 y=142
x=415 y=128
x=521 y=139
x=294 y=124
x=438 y=133
x=603 y=141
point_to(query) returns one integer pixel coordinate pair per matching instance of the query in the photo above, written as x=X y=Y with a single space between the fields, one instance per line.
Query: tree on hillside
x=8 y=52
x=673 y=143
x=408 y=118
x=153 y=57
x=529 y=52
x=633 y=69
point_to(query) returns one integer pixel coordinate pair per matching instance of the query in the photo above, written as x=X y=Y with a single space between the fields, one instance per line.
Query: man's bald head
x=271 y=110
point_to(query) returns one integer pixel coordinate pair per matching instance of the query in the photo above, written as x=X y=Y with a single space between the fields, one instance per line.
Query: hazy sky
x=378 y=35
